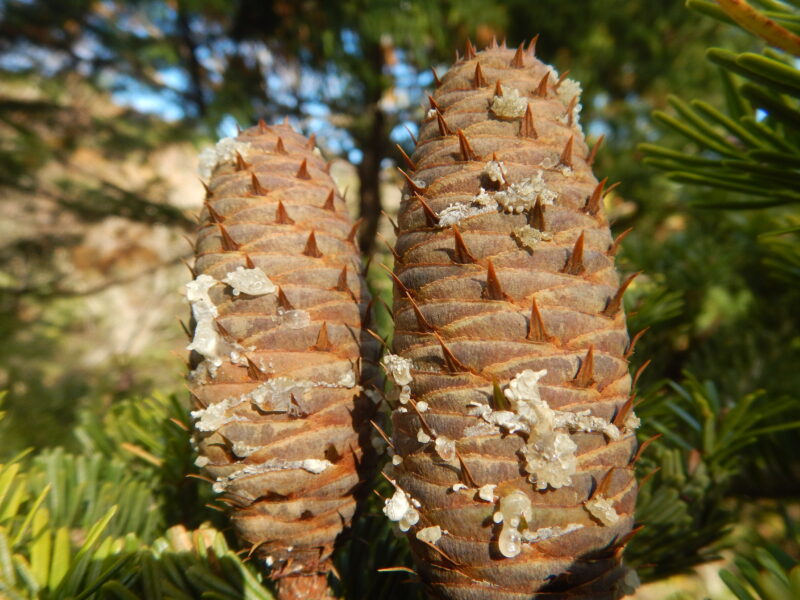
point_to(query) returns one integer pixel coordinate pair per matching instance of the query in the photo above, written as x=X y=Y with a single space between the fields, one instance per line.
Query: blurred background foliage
x=103 y=108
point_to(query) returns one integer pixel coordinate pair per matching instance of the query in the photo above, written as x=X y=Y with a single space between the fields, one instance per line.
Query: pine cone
x=513 y=430
x=279 y=306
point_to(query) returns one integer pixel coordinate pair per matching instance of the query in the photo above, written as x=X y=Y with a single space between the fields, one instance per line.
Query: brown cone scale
x=281 y=420
x=490 y=295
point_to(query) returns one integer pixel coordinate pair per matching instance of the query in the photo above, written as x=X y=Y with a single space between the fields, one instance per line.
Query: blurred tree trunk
x=194 y=67
x=374 y=148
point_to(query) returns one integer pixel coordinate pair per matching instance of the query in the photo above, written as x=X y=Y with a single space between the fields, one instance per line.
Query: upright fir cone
x=279 y=307
x=513 y=432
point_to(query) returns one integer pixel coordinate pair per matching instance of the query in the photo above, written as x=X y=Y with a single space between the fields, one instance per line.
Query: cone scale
x=512 y=434
x=278 y=303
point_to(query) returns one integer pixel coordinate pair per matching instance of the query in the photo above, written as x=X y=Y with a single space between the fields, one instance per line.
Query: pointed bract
x=281 y=216
x=228 y=242
x=391 y=221
x=283 y=301
x=566 y=154
x=351 y=236
x=213 y=215
x=494 y=290
x=411 y=183
x=192 y=271
x=443 y=128
x=467 y=153
x=461 y=253
x=478 y=81
x=302 y=172
x=329 y=205
x=400 y=285
x=411 y=134
x=623 y=412
x=409 y=163
x=593 y=201
x=255 y=186
x=437 y=82
x=570 y=112
x=575 y=264
x=323 y=343
x=585 y=376
x=518 y=61
x=531 y=49
x=590 y=158
x=241 y=164
x=612 y=250
x=255 y=373
x=422 y=322
x=527 y=127
x=430 y=217
x=536 y=330
x=452 y=363
x=615 y=302
x=469 y=52
x=560 y=79
x=397 y=258
x=341 y=283
x=541 y=89
x=311 y=248
x=536 y=217
x=632 y=344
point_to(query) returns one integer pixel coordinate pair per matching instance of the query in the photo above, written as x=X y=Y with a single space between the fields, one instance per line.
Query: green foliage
x=724 y=444
x=773 y=575
x=83 y=488
x=39 y=554
x=92 y=525
x=150 y=436
x=751 y=147
x=187 y=564
x=687 y=501
x=782 y=250
x=764 y=570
